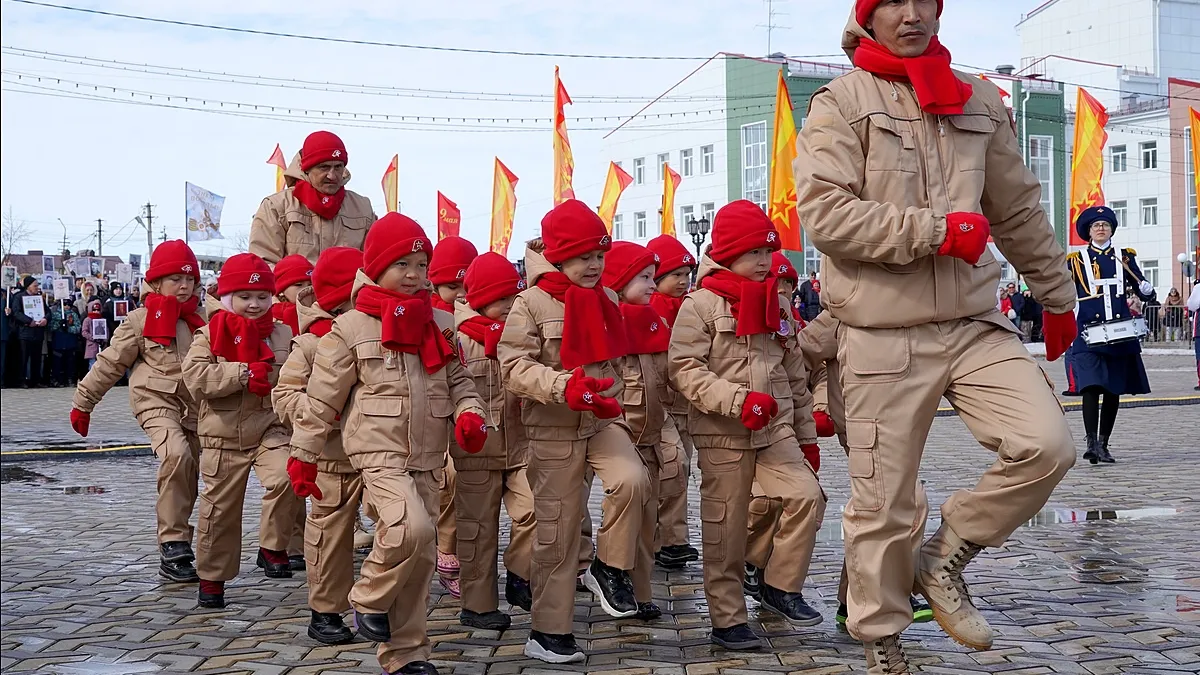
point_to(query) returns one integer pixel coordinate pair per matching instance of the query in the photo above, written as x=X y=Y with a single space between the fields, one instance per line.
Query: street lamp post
x=1185 y=268
x=699 y=231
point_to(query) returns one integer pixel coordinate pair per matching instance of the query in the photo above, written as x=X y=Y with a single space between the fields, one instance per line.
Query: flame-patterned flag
x=1087 y=161
x=614 y=185
x=564 y=162
x=391 y=185
x=504 y=208
x=449 y=217
x=782 y=209
x=671 y=182
x=1194 y=120
x=280 y=166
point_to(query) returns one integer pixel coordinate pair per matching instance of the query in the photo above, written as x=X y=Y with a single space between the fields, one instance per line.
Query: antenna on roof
x=770 y=25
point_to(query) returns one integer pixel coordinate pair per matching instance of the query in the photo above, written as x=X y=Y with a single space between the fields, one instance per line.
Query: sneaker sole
x=480 y=626
x=593 y=584
x=535 y=651
x=327 y=641
x=945 y=625
x=795 y=622
x=195 y=579
x=920 y=616
x=368 y=634
x=746 y=646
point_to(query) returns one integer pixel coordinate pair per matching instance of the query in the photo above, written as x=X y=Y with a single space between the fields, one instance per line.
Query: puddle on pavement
x=1107 y=568
x=86 y=668
x=19 y=474
x=84 y=490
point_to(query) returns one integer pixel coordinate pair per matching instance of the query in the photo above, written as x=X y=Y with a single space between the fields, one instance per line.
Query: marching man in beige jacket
x=904 y=169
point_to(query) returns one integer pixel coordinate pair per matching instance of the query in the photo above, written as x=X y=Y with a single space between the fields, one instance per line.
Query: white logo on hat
x=605 y=240
x=495 y=326
x=483 y=427
x=337 y=153
x=653 y=326
x=237 y=339
x=158 y=314
x=771 y=237
x=418 y=245
x=520 y=284
x=254 y=278
x=757 y=410
x=587 y=397
x=399 y=310
x=657 y=259
x=187 y=269
x=308 y=273
x=324 y=200
x=687 y=259
x=966 y=227
x=461 y=274
x=783 y=269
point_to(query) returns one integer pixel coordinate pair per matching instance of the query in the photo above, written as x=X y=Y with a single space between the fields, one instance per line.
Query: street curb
x=1073 y=405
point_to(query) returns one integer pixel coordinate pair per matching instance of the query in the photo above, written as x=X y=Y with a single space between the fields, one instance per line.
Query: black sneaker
x=211 y=594
x=328 y=629
x=738 y=638
x=843 y=613
x=676 y=556
x=517 y=592
x=176 y=551
x=274 y=570
x=493 y=620
x=296 y=563
x=922 y=613
x=417 y=668
x=553 y=648
x=752 y=583
x=648 y=611
x=612 y=588
x=374 y=627
x=179 y=571
x=791 y=606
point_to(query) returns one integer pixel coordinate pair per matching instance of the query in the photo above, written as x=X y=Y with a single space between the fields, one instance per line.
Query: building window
x=660 y=217
x=1149 y=154
x=708 y=160
x=1150 y=211
x=707 y=210
x=639 y=225
x=686 y=163
x=685 y=214
x=1150 y=271
x=1041 y=163
x=1121 y=209
x=662 y=165
x=617 y=226
x=754 y=163
x=1118 y=155
x=812 y=257
x=639 y=171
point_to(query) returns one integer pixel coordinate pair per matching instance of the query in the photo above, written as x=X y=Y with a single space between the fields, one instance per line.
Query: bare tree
x=13 y=234
x=240 y=243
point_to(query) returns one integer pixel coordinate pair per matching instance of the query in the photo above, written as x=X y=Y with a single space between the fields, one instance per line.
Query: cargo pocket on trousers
x=866 y=483
x=208 y=511
x=312 y=545
x=547 y=514
x=468 y=536
x=720 y=460
x=391 y=519
x=712 y=529
x=210 y=462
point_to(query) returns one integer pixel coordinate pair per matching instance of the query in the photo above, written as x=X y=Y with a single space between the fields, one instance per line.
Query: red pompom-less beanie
x=291 y=270
x=451 y=257
x=322 y=146
x=491 y=277
x=333 y=277
x=671 y=255
x=571 y=229
x=245 y=272
x=863 y=9
x=391 y=238
x=782 y=268
x=173 y=257
x=739 y=227
x=623 y=262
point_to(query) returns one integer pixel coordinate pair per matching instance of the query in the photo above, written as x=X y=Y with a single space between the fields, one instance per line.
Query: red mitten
x=966 y=236
x=758 y=410
x=258 y=383
x=1060 y=331
x=812 y=452
x=80 y=421
x=470 y=431
x=824 y=424
x=304 y=478
x=583 y=395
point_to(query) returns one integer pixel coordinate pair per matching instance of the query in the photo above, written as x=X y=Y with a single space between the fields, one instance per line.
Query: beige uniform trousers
x=219 y=536
x=892 y=380
x=556 y=475
x=396 y=573
x=329 y=541
x=477 y=506
x=643 y=567
x=447 y=539
x=296 y=541
x=763 y=518
x=675 y=465
x=178 y=453
x=726 y=478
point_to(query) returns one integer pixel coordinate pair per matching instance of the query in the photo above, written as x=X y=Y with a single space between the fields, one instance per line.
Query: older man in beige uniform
x=904 y=169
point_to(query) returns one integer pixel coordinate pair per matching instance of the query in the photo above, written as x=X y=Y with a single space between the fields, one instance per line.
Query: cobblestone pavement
x=1104 y=581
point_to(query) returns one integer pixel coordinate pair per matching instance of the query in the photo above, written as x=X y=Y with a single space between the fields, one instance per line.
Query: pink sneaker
x=447 y=565
x=451 y=585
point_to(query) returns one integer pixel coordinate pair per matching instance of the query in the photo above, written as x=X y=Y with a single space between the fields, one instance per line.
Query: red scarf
x=646 y=332
x=592 y=324
x=325 y=206
x=939 y=91
x=320 y=327
x=236 y=338
x=800 y=322
x=438 y=303
x=285 y=313
x=484 y=331
x=164 y=311
x=667 y=306
x=408 y=325
x=754 y=304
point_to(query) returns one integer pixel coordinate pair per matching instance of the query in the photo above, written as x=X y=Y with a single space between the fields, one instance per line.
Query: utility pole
x=99 y=237
x=149 y=232
x=64 y=246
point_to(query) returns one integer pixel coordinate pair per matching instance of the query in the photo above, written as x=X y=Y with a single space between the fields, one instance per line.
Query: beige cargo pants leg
x=556 y=475
x=674 y=464
x=477 y=507
x=178 y=452
x=1005 y=400
x=329 y=541
x=762 y=522
x=447 y=537
x=644 y=566
x=296 y=541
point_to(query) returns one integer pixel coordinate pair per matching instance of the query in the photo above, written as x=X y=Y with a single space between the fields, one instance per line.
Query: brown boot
x=939 y=579
x=886 y=657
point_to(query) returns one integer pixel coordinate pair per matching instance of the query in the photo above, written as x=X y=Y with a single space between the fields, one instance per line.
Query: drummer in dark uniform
x=1107 y=355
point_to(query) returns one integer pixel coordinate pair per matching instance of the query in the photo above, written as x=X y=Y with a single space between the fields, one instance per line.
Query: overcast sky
x=80 y=160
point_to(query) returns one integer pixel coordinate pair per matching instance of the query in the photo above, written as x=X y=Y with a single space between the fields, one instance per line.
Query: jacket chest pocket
x=377 y=365
x=437 y=392
x=552 y=335
x=970 y=136
x=301 y=232
x=352 y=231
x=728 y=350
x=891 y=145
x=153 y=352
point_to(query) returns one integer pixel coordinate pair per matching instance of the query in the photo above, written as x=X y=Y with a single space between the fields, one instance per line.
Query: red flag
x=449 y=217
x=1087 y=162
x=280 y=166
x=564 y=161
x=782 y=186
x=614 y=185
x=504 y=208
x=391 y=185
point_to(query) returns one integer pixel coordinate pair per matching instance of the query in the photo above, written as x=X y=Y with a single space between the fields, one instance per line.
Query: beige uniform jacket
x=393 y=414
x=875 y=178
x=645 y=396
x=715 y=369
x=507 y=446
x=231 y=418
x=288 y=395
x=531 y=362
x=155 y=389
x=818 y=345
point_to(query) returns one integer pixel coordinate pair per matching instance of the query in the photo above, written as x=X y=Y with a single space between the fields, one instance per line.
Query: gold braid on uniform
x=1076 y=260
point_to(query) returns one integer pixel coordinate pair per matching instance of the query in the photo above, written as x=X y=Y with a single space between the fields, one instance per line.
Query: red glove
x=966 y=236
x=1060 y=331
x=583 y=395
x=80 y=421
x=470 y=432
x=258 y=383
x=824 y=424
x=758 y=410
x=304 y=478
x=812 y=452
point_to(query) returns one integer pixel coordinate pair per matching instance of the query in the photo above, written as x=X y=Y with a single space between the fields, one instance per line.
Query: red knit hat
x=245 y=272
x=391 y=238
x=450 y=259
x=782 y=268
x=333 y=277
x=671 y=255
x=322 y=146
x=571 y=229
x=863 y=9
x=293 y=269
x=740 y=227
x=491 y=277
x=624 y=262
x=173 y=257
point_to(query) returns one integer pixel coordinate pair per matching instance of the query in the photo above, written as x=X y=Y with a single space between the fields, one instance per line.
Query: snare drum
x=1112 y=332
